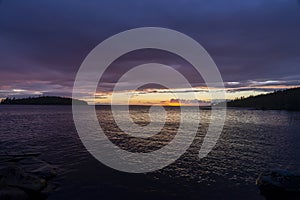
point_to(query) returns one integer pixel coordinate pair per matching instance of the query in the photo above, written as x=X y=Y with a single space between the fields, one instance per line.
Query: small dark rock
x=10 y=193
x=279 y=184
x=16 y=177
x=38 y=167
x=45 y=172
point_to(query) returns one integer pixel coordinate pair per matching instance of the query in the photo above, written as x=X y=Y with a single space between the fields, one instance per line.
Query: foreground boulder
x=11 y=193
x=15 y=177
x=26 y=178
x=38 y=167
x=279 y=184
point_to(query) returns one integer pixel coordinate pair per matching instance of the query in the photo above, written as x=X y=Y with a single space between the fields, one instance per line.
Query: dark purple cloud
x=42 y=43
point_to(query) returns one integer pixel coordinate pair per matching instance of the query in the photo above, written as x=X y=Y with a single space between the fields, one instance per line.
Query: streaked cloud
x=43 y=43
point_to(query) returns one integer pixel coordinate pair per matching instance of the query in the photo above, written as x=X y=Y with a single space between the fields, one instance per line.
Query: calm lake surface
x=252 y=141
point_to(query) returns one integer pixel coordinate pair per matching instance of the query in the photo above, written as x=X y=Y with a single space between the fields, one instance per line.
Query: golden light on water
x=167 y=97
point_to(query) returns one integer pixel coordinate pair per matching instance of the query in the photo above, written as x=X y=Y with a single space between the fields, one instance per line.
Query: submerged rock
x=26 y=178
x=11 y=193
x=15 y=177
x=38 y=167
x=279 y=184
x=46 y=172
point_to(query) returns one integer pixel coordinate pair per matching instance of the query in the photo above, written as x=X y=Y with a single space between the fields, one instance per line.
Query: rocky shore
x=279 y=184
x=24 y=176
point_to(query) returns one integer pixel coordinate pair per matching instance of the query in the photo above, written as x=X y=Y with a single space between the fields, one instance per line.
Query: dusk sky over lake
x=255 y=44
x=150 y=99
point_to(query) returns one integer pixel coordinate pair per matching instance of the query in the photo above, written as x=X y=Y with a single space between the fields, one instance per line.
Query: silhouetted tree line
x=43 y=100
x=280 y=100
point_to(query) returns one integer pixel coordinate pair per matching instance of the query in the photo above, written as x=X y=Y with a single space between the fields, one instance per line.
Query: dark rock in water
x=48 y=189
x=279 y=184
x=38 y=167
x=15 y=177
x=10 y=193
x=25 y=177
x=45 y=172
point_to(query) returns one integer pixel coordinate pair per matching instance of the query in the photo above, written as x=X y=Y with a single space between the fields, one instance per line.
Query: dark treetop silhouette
x=280 y=100
x=44 y=100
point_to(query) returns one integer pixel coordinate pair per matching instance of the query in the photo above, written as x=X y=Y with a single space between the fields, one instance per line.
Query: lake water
x=252 y=141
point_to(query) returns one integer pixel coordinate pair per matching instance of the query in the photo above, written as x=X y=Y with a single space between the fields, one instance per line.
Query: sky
x=255 y=44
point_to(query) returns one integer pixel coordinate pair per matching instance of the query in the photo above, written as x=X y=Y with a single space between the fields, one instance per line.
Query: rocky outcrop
x=25 y=178
x=279 y=184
